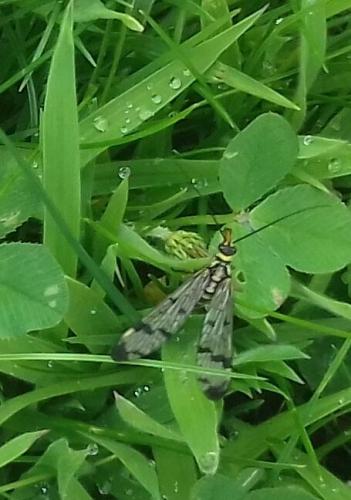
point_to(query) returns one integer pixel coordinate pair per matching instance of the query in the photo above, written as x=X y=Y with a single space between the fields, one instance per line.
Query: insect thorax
x=219 y=271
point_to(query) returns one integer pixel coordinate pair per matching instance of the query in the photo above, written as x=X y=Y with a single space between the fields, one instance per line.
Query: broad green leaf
x=288 y=493
x=327 y=222
x=34 y=293
x=195 y=414
x=257 y=159
x=17 y=200
x=136 y=463
x=91 y=10
x=18 y=445
x=60 y=143
x=263 y=280
x=135 y=417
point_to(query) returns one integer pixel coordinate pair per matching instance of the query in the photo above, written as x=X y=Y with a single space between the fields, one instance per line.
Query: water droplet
x=175 y=83
x=230 y=154
x=124 y=130
x=127 y=120
x=138 y=392
x=50 y=363
x=145 y=114
x=186 y=72
x=93 y=311
x=92 y=449
x=279 y=20
x=105 y=487
x=176 y=487
x=35 y=164
x=334 y=166
x=146 y=388
x=341 y=401
x=307 y=140
x=44 y=489
x=100 y=123
x=124 y=172
x=156 y=98
x=130 y=105
x=51 y=290
x=209 y=462
x=148 y=86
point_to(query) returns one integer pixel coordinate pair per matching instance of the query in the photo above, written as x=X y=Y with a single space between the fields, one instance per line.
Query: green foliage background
x=121 y=125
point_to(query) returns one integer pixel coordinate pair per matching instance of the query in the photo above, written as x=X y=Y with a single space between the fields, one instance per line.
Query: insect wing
x=163 y=321
x=215 y=345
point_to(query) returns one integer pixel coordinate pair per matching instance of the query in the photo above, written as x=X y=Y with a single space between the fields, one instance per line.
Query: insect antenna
x=275 y=221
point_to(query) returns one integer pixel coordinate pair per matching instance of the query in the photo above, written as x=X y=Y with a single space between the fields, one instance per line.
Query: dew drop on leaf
x=100 y=123
x=92 y=449
x=156 y=98
x=334 y=166
x=124 y=172
x=209 y=462
x=145 y=114
x=307 y=140
x=175 y=83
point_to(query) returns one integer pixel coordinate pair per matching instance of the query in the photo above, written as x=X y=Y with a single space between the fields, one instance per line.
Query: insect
x=210 y=286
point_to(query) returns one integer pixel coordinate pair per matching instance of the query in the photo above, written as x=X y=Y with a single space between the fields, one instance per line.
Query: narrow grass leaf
x=253 y=442
x=195 y=414
x=60 y=143
x=68 y=465
x=88 y=313
x=312 y=52
x=341 y=309
x=134 y=461
x=177 y=473
x=138 y=104
x=288 y=493
x=269 y=353
x=222 y=73
x=17 y=446
x=111 y=218
x=91 y=10
x=138 y=419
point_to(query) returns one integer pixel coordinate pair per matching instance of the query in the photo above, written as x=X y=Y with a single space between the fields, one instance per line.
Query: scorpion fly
x=211 y=287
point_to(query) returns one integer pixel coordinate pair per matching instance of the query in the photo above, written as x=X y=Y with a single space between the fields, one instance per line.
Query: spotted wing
x=215 y=345
x=163 y=321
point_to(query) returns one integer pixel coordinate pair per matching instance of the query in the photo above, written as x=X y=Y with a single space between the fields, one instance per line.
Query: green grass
x=129 y=138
